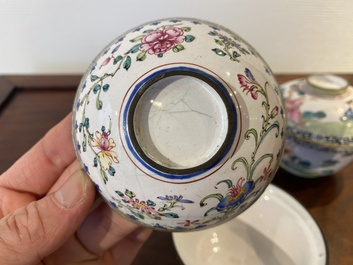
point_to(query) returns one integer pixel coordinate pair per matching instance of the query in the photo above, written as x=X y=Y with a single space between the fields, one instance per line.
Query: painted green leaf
x=119 y=193
x=86 y=123
x=127 y=63
x=236 y=54
x=186 y=29
x=178 y=48
x=219 y=42
x=170 y=215
x=227 y=181
x=217 y=196
x=153 y=216
x=329 y=163
x=95 y=162
x=210 y=210
x=129 y=193
x=300 y=93
x=244 y=51
x=138 y=38
x=320 y=115
x=99 y=104
x=189 y=38
x=134 y=49
x=111 y=171
x=96 y=88
x=103 y=175
x=80 y=127
x=139 y=215
x=84 y=143
x=151 y=203
x=219 y=52
x=141 y=56
x=307 y=115
x=94 y=78
x=105 y=87
x=161 y=209
x=148 y=31
x=243 y=161
x=117 y=59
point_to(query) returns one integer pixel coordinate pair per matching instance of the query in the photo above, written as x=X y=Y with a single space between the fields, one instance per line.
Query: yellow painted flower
x=105 y=144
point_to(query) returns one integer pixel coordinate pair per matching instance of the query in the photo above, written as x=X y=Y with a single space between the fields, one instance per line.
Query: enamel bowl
x=179 y=123
x=319 y=138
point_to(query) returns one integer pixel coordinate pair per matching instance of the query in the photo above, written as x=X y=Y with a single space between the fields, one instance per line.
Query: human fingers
x=32 y=232
x=11 y=200
x=104 y=238
x=103 y=229
x=39 y=168
x=125 y=251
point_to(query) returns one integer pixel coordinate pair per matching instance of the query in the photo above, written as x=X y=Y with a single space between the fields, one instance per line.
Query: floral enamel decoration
x=319 y=111
x=162 y=40
x=149 y=208
x=237 y=193
x=179 y=123
x=105 y=155
x=173 y=201
x=229 y=46
x=152 y=42
x=102 y=146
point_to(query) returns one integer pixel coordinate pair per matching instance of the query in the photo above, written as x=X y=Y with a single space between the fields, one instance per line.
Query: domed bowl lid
x=320 y=110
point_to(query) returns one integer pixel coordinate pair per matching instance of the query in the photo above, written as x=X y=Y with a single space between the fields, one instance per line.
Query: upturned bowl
x=319 y=138
x=180 y=124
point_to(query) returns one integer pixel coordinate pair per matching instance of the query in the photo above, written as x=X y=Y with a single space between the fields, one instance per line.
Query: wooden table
x=30 y=105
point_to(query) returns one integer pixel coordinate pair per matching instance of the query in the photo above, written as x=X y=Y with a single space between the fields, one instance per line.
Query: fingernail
x=72 y=191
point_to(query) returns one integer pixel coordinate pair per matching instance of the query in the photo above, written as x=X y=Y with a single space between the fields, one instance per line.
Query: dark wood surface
x=30 y=105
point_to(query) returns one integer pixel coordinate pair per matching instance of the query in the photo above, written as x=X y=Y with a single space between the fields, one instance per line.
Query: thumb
x=35 y=231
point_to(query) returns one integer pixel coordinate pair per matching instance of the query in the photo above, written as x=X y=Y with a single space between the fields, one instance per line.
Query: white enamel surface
x=276 y=230
x=180 y=122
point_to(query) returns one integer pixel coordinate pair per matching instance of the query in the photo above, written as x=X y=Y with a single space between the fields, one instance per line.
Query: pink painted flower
x=188 y=223
x=274 y=112
x=293 y=110
x=267 y=173
x=105 y=144
x=249 y=84
x=161 y=41
x=235 y=190
x=143 y=206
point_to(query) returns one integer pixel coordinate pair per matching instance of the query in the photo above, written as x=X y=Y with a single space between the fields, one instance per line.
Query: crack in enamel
x=158 y=108
x=180 y=122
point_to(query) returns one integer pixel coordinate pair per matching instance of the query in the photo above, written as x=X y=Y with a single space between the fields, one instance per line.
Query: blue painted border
x=125 y=123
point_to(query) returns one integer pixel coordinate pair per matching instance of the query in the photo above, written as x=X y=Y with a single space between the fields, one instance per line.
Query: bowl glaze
x=319 y=138
x=180 y=124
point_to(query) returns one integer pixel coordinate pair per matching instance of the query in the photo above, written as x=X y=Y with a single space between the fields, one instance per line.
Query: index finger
x=37 y=170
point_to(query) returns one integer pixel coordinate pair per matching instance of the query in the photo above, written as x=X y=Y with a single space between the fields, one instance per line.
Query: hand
x=46 y=214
